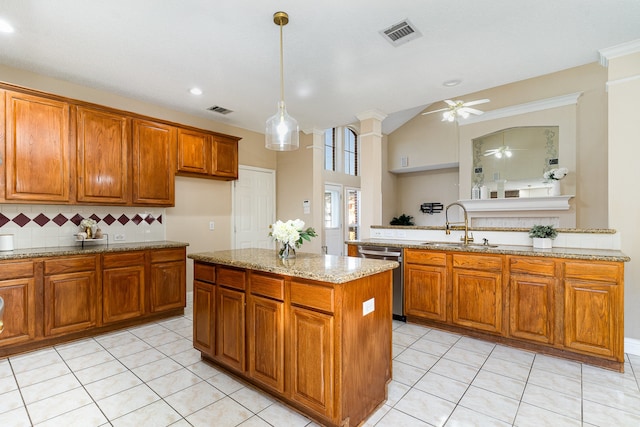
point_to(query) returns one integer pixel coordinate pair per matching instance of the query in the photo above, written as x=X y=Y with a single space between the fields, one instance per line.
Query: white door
x=254 y=207
x=333 y=233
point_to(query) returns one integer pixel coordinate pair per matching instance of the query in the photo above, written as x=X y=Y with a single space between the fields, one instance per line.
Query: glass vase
x=286 y=251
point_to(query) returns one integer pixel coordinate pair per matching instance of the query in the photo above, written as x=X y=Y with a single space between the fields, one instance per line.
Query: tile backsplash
x=35 y=226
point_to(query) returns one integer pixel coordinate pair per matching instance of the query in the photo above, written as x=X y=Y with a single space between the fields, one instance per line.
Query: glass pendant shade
x=281 y=133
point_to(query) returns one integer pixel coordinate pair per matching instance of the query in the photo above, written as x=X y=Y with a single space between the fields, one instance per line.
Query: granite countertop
x=568 y=253
x=324 y=268
x=92 y=248
x=519 y=229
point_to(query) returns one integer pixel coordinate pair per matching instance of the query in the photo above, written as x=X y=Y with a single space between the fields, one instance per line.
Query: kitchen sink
x=458 y=245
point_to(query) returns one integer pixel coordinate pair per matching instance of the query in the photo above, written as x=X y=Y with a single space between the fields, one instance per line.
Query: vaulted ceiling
x=336 y=62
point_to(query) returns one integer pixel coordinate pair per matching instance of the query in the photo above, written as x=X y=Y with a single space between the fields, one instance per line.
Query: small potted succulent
x=402 y=220
x=543 y=236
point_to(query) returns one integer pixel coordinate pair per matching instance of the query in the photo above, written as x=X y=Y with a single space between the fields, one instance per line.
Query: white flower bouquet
x=87 y=223
x=555 y=174
x=291 y=233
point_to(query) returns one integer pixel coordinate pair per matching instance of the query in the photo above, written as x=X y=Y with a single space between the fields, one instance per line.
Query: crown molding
x=371 y=114
x=616 y=51
x=529 y=107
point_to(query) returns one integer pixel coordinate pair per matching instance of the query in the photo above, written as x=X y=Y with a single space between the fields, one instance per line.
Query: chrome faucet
x=467 y=238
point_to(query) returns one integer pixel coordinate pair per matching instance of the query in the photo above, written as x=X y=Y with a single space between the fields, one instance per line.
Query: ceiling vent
x=219 y=109
x=401 y=33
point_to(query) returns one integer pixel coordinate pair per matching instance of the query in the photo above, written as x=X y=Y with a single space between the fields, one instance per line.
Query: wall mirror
x=515 y=159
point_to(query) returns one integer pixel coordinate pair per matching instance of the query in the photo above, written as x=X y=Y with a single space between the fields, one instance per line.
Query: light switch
x=212 y=225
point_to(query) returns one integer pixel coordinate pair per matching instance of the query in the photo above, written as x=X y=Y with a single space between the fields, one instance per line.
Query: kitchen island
x=314 y=331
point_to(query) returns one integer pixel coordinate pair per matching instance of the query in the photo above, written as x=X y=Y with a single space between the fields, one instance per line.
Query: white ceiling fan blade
x=472 y=110
x=435 y=111
x=479 y=101
x=450 y=102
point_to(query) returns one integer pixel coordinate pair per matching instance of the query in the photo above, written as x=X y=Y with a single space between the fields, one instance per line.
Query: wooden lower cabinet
x=306 y=342
x=230 y=327
x=312 y=367
x=594 y=313
x=167 y=282
x=123 y=286
x=17 y=288
x=70 y=294
x=569 y=308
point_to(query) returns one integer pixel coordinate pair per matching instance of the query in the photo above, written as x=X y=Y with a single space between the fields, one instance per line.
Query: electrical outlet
x=212 y=225
x=368 y=306
x=119 y=237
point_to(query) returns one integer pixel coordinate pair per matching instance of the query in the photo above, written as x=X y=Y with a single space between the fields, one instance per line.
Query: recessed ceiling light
x=451 y=83
x=5 y=27
x=195 y=91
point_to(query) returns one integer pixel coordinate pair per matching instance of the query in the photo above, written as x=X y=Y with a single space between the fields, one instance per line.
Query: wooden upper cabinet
x=37 y=165
x=207 y=155
x=153 y=163
x=225 y=157
x=194 y=152
x=102 y=143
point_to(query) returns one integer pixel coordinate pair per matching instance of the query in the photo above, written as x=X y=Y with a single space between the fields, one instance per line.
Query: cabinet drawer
x=69 y=265
x=534 y=266
x=312 y=296
x=267 y=286
x=124 y=259
x=594 y=270
x=16 y=270
x=165 y=255
x=480 y=262
x=204 y=272
x=231 y=277
x=417 y=256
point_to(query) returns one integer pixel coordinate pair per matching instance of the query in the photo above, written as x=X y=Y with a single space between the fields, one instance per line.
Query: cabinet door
x=477 y=299
x=312 y=352
x=591 y=317
x=153 y=169
x=168 y=286
x=204 y=314
x=122 y=293
x=37 y=149
x=230 y=330
x=102 y=143
x=19 y=310
x=194 y=152
x=225 y=157
x=532 y=308
x=69 y=302
x=266 y=341
x=425 y=292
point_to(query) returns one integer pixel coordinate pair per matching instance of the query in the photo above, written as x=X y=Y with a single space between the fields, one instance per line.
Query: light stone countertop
x=556 y=252
x=324 y=268
x=89 y=248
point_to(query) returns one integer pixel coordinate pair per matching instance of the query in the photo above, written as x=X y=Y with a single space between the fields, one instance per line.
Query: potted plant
x=543 y=236
x=402 y=220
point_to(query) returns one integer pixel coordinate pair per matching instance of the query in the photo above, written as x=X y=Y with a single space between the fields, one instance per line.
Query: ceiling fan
x=458 y=108
x=500 y=152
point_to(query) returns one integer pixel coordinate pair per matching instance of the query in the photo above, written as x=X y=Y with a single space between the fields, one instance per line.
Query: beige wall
x=624 y=176
x=198 y=201
x=430 y=141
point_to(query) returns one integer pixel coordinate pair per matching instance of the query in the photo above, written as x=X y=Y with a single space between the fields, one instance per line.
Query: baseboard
x=632 y=346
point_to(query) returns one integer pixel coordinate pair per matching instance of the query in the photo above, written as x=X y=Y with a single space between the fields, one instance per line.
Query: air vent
x=219 y=109
x=401 y=33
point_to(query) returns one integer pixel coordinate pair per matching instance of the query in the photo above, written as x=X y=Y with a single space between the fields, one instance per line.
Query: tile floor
x=151 y=376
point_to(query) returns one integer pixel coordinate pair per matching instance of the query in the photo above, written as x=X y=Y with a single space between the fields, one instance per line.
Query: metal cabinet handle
x=1 y=315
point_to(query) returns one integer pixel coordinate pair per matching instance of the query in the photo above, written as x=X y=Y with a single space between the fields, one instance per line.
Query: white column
x=370 y=170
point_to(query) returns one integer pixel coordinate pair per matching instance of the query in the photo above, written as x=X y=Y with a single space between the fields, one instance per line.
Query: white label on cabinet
x=368 y=306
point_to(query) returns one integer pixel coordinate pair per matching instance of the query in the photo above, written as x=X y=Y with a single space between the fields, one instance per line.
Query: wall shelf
x=551 y=203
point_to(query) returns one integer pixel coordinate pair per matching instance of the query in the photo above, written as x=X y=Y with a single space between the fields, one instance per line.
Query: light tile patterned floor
x=151 y=376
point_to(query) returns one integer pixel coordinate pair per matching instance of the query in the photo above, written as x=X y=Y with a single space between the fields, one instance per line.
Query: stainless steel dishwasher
x=393 y=254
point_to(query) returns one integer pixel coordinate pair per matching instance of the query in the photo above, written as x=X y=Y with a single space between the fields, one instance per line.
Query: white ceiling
x=337 y=65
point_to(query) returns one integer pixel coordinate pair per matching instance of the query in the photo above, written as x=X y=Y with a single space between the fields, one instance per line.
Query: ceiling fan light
x=508 y=153
x=498 y=154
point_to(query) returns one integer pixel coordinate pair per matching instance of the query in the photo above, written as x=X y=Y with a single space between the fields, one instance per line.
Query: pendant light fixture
x=281 y=133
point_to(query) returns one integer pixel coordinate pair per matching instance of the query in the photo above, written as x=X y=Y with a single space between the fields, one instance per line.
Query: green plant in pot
x=402 y=220
x=543 y=236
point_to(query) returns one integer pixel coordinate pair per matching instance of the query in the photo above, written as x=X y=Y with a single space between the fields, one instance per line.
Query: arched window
x=342 y=140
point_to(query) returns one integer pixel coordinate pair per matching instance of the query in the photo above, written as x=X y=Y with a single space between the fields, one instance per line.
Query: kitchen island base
x=323 y=348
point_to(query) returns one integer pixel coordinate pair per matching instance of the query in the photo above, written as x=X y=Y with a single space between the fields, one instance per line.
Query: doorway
x=254 y=207
x=332 y=220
